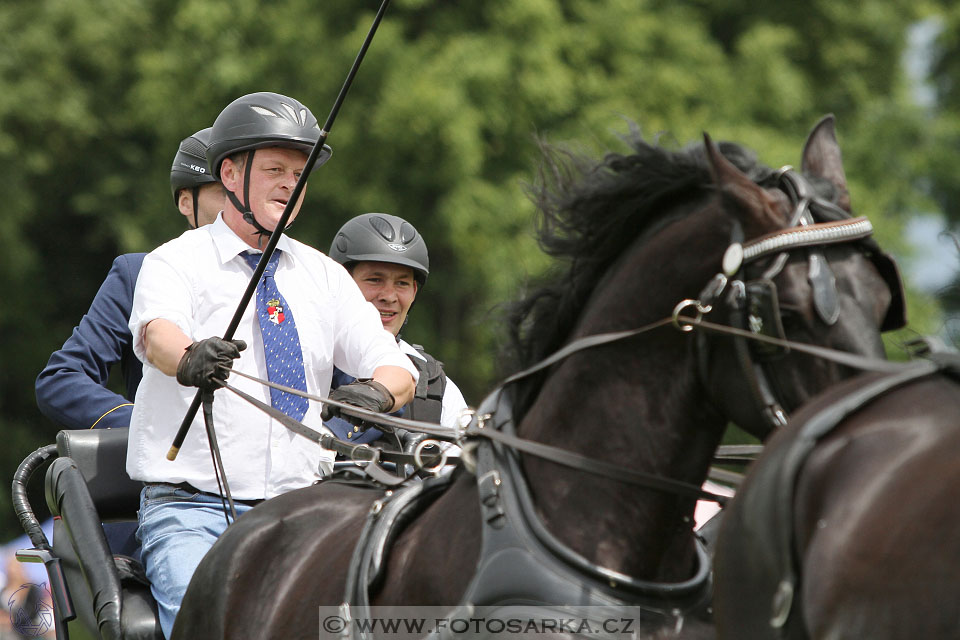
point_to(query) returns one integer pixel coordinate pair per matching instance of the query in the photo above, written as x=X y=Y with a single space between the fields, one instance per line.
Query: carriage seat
x=85 y=486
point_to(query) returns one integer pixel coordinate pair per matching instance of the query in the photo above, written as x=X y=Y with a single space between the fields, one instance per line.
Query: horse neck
x=637 y=404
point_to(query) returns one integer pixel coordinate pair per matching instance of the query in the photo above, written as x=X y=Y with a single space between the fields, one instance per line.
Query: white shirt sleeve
x=161 y=292
x=451 y=406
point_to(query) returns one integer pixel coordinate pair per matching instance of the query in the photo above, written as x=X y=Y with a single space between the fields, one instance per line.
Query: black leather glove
x=207 y=363
x=366 y=394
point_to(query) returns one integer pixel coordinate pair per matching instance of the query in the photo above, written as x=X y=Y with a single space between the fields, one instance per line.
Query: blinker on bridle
x=802 y=232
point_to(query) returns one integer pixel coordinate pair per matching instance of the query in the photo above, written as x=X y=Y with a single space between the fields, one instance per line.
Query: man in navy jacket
x=71 y=390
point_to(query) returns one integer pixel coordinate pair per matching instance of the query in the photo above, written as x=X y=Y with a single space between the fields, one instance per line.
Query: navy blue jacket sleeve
x=342 y=429
x=71 y=389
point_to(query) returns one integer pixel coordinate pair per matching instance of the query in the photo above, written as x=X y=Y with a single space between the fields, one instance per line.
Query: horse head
x=822 y=281
x=642 y=232
x=810 y=547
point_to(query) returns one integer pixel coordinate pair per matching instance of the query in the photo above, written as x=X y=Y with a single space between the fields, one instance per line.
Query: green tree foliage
x=440 y=127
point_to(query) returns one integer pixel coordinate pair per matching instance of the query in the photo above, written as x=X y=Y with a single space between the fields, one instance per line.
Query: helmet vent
x=192 y=146
x=342 y=243
x=382 y=227
x=293 y=115
x=407 y=233
x=264 y=112
x=290 y=111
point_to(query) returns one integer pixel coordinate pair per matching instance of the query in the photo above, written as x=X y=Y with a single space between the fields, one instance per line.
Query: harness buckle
x=776 y=415
x=488 y=486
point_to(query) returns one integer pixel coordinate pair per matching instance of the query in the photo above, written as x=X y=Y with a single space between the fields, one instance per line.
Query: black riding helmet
x=381 y=237
x=190 y=169
x=256 y=121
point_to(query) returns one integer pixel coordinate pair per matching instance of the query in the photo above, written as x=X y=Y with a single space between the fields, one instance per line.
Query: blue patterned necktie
x=281 y=343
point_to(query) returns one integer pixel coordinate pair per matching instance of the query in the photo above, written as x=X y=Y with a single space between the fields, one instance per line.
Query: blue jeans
x=176 y=529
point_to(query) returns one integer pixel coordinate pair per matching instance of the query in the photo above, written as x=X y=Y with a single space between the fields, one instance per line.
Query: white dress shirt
x=196 y=282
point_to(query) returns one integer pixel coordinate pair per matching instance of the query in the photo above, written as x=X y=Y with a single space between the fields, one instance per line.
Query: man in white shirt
x=186 y=294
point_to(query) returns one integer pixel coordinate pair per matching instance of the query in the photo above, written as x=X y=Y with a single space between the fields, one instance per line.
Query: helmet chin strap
x=196 y=207
x=404 y=325
x=244 y=209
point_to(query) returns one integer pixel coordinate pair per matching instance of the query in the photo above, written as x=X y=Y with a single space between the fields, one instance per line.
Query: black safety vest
x=427 y=402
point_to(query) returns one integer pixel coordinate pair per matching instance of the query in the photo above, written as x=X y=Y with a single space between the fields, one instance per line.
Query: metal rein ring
x=418 y=459
x=366 y=450
x=689 y=321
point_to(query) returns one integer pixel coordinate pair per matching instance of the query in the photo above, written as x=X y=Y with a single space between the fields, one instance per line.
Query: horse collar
x=520 y=561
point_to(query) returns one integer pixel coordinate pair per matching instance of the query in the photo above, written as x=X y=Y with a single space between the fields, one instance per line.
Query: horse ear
x=751 y=204
x=821 y=158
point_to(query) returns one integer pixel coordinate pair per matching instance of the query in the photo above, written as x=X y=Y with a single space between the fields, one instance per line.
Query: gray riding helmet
x=256 y=121
x=263 y=119
x=190 y=164
x=382 y=237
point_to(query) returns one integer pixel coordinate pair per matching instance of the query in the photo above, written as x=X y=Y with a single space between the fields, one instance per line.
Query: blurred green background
x=441 y=127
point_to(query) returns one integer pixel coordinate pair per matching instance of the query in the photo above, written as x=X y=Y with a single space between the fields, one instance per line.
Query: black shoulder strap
x=427 y=403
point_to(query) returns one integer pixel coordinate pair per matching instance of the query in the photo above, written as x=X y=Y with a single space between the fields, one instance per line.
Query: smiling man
x=308 y=317
x=390 y=287
x=388 y=260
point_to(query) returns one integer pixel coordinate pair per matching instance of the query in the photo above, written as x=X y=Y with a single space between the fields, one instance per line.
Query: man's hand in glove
x=207 y=363
x=366 y=394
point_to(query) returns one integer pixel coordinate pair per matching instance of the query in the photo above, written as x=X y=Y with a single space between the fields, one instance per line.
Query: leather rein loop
x=476 y=428
x=810 y=234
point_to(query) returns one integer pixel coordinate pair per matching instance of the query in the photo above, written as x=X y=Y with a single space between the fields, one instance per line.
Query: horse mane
x=584 y=208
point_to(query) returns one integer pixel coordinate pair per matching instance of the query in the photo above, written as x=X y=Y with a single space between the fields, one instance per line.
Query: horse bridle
x=753 y=304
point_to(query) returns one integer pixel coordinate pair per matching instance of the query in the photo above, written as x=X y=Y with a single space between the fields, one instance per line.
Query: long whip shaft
x=281 y=224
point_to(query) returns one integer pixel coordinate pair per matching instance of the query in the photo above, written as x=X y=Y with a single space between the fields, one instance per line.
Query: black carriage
x=85 y=486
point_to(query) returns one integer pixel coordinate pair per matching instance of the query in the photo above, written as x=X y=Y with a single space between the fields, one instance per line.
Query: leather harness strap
x=596 y=467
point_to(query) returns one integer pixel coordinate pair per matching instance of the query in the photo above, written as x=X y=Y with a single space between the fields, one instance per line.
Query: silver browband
x=820 y=233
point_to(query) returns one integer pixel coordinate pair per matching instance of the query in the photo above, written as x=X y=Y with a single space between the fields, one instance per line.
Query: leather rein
x=473 y=425
x=508 y=516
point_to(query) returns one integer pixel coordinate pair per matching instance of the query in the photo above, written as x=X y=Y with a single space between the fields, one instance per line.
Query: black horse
x=847 y=525
x=639 y=232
